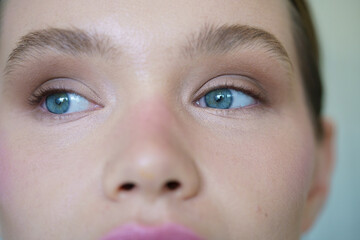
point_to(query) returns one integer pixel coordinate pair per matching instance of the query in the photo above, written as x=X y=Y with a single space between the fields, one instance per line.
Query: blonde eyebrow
x=228 y=38
x=64 y=41
x=210 y=39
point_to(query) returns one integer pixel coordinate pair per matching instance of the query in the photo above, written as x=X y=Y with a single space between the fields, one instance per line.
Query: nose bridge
x=151 y=117
x=153 y=161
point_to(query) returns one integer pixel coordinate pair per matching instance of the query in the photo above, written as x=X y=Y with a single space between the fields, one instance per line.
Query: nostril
x=127 y=186
x=172 y=185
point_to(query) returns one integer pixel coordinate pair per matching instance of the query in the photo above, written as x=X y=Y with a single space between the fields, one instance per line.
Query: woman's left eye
x=64 y=103
x=226 y=98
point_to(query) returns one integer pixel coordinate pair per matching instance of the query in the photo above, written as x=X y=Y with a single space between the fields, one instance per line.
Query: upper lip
x=169 y=231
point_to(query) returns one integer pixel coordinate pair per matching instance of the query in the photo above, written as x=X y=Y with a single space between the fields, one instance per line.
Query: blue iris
x=58 y=103
x=219 y=98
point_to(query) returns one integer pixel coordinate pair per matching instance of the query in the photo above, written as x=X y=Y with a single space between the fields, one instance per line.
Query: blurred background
x=338 y=26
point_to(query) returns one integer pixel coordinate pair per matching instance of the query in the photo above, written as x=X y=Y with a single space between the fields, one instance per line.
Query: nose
x=152 y=161
x=151 y=172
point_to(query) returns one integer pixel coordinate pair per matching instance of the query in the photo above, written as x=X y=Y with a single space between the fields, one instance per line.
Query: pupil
x=219 y=98
x=59 y=101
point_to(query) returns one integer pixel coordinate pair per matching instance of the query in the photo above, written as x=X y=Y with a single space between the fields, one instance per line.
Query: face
x=150 y=113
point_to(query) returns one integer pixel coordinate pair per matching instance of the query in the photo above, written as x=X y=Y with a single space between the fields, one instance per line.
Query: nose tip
x=158 y=175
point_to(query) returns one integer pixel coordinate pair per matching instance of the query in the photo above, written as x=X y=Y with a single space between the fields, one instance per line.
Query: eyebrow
x=73 y=42
x=209 y=39
x=228 y=38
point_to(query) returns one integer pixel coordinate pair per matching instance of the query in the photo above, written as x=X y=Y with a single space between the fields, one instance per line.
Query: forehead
x=140 y=25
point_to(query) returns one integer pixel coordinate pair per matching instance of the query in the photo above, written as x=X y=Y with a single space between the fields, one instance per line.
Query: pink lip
x=165 y=232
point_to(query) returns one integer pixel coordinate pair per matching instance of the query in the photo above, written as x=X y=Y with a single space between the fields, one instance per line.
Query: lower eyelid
x=43 y=115
x=236 y=113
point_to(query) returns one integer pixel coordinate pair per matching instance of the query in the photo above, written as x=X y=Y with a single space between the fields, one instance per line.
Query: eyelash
x=40 y=94
x=258 y=95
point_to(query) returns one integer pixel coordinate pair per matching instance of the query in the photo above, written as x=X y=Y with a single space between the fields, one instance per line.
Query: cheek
x=262 y=176
x=43 y=184
x=293 y=159
x=283 y=161
x=4 y=168
x=300 y=170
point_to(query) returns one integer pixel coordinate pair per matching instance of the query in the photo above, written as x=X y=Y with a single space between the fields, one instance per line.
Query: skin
x=251 y=173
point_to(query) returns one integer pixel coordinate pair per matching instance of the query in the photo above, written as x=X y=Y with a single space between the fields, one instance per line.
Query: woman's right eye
x=65 y=103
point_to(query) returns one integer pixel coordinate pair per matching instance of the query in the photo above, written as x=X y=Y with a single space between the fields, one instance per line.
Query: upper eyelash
x=38 y=96
x=257 y=95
